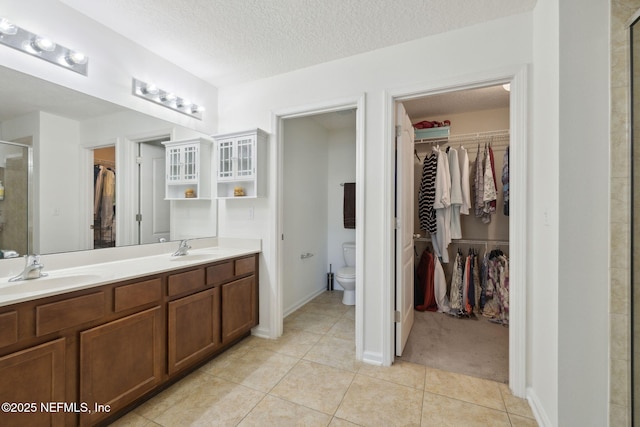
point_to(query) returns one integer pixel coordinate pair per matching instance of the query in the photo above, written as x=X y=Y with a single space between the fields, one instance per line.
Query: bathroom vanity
x=88 y=354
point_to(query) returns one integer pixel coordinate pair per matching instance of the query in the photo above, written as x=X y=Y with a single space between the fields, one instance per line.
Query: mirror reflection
x=81 y=173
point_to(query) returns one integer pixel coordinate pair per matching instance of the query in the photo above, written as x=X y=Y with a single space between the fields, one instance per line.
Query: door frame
x=277 y=205
x=518 y=116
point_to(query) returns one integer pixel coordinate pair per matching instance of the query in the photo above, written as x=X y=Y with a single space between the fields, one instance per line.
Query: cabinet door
x=245 y=157
x=35 y=375
x=225 y=159
x=239 y=308
x=190 y=158
x=120 y=361
x=174 y=164
x=194 y=328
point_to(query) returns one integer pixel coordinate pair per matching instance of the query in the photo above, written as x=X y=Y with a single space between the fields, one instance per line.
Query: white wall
x=583 y=388
x=497 y=44
x=341 y=168
x=305 y=165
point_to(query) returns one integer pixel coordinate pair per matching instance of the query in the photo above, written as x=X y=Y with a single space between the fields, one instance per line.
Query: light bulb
x=76 y=58
x=43 y=44
x=7 y=28
x=149 y=89
x=168 y=97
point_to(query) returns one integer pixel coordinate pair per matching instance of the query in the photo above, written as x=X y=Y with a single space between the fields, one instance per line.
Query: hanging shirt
x=505 y=182
x=442 y=206
x=456 y=193
x=489 y=190
x=440 y=288
x=479 y=185
x=463 y=158
x=427 y=194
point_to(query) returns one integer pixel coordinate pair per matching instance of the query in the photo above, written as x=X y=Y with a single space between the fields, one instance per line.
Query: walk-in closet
x=104 y=200
x=461 y=232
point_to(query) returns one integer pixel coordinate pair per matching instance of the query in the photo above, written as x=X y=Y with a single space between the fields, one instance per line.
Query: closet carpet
x=469 y=346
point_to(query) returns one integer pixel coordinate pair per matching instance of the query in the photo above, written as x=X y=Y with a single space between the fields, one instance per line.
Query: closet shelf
x=494 y=137
x=431 y=133
x=468 y=241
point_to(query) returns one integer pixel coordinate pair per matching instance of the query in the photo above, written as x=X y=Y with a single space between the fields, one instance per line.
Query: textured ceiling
x=232 y=41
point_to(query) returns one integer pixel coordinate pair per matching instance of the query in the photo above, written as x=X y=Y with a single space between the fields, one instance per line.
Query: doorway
x=104 y=199
x=279 y=117
x=517 y=77
x=153 y=215
x=466 y=331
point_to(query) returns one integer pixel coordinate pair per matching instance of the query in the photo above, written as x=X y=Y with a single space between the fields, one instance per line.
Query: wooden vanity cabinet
x=119 y=362
x=31 y=376
x=193 y=328
x=115 y=345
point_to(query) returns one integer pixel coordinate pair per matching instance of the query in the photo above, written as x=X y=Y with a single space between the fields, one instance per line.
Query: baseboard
x=538 y=410
x=372 y=358
x=261 y=332
x=303 y=301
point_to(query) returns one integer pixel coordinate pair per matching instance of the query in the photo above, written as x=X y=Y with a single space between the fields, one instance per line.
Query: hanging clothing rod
x=468 y=241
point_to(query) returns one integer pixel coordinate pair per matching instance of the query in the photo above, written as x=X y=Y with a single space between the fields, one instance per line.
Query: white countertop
x=84 y=275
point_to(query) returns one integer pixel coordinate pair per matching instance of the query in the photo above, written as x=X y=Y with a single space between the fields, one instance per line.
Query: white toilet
x=346 y=276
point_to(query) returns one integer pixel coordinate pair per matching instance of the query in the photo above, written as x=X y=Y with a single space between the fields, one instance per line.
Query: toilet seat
x=346 y=273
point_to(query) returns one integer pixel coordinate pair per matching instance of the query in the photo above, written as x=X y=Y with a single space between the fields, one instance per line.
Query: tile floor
x=309 y=377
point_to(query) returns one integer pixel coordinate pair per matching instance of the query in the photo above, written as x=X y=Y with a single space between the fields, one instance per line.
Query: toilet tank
x=349 y=252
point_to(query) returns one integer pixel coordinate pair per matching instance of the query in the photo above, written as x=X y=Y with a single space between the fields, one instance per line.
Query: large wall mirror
x=80 y=173
x=635 y=221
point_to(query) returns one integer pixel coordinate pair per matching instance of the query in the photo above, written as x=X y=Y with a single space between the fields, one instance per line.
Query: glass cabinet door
x=225 y=155
x=245 y=158
x=190 y=163
x=173 y=168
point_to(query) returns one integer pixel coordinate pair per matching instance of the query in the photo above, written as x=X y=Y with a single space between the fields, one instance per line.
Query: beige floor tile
x=218 y=402
x=470 y=389
x=442 y=411
x=315 y=386
x=351 y=313
x=373 y=402
x=339 y=422
x=133 y=420
x=336 y=352
x=515 y=405
x=272 y=411
x=344 y=328
x=403 y=373
x=259 y=369
x=333 y=297
x=310 y=322
x=179 y=391
x=294 y=343
x=333 y=309
x=518 y=421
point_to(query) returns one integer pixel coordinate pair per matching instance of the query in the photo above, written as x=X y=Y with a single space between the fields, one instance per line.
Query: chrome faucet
x=183 y=249
x=32 y=269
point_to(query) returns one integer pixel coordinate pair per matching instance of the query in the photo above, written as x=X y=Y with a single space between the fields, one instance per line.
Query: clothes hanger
x=416 y=153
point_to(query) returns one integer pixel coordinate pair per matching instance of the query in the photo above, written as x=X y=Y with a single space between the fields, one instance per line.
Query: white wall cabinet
x=240 y=164
x=188 y=169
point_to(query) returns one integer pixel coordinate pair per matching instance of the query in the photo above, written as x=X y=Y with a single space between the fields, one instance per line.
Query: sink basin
x=50 y=283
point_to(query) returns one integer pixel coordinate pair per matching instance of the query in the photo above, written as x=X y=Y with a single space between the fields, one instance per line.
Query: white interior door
x=404 y=228
x=154 y=209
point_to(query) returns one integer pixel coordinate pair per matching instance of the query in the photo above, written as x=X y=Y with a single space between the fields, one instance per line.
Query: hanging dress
x=427 y=194
x=456 y=193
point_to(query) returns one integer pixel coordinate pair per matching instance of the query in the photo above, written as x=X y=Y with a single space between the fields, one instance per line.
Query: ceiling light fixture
x=168 y=99
x=42 y=47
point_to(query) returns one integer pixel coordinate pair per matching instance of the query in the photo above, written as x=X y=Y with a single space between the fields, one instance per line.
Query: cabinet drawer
x=220 y=273
x=245 y=265
x=8 y=328
x=68 y=313
x=185 y=282
x=137 y=294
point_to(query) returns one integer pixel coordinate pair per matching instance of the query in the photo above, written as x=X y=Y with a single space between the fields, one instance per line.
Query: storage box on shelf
x=241 y=164
x=188 y=169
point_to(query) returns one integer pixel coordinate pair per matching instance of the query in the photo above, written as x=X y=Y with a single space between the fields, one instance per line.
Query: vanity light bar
x=152 y=93
x=39 y=46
